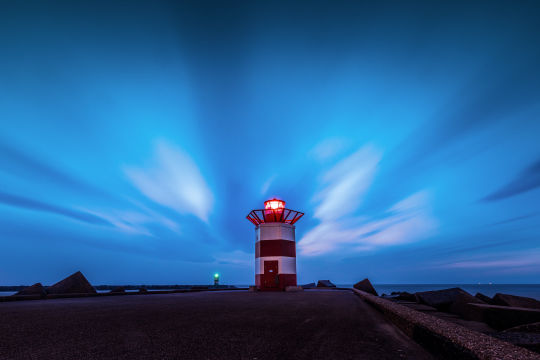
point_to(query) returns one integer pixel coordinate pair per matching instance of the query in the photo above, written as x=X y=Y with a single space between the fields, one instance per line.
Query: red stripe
x=275 y=248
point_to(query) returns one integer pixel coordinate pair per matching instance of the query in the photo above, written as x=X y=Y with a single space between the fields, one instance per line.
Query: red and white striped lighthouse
x=275 y=246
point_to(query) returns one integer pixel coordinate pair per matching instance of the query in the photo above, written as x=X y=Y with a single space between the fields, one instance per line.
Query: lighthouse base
x=271 y=282
x=275 y=256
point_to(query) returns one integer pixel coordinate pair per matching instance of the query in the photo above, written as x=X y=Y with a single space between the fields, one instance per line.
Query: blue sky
x=136 y=136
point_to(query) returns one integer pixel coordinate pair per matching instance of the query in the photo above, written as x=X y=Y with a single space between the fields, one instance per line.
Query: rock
x=143 y=290
x=325 y=283
x=36 y=289
x=533 y=328
x=309 y=286
x=503 y=317
x=365 y=285
x=440 y=299
x=389 y=297
x=460 y=305
x=403 y=295
x=484 y=298
x=529 y=341
x=516 y=301
x=73 y=284
x=118 y=290
x=293 y=288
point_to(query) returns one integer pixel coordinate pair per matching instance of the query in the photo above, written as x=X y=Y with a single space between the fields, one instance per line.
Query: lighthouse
x=275 y=246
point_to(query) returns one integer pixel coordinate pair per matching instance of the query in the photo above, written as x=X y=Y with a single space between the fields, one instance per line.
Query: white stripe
x=286 y=264
x=274 y=231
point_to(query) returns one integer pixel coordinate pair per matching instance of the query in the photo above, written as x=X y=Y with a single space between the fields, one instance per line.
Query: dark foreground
x=216 y=325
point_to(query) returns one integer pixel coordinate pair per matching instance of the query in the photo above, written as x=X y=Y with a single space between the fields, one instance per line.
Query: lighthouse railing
x=261 y=216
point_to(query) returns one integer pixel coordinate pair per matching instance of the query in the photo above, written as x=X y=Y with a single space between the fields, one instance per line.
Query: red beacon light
x=274 y=211
x=274 y=204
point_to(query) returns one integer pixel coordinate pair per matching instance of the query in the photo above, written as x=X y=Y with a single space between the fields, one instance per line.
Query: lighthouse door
x=270 y=278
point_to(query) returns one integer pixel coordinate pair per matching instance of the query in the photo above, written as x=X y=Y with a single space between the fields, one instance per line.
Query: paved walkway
x=207 y=325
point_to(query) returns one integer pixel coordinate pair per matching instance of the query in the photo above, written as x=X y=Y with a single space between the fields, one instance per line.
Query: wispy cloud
x=36 y=205
x=136 y=222
x=398 y=225
x=513 y=219
x=341 y=228
x=266 y=185
x=174 y=181
x=235 y=257
x=520 y=259
x=492 y=263
x=328 y=149
x=26 y=165
x=527 y=180
x=346 y=183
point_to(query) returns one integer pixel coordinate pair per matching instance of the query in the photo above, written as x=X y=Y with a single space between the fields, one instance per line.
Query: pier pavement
x=314 y=324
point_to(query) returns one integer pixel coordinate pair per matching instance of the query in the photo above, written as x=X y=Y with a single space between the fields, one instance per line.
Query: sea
x=529 y=290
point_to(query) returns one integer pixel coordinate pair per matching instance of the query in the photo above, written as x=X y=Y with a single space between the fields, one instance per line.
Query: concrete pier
x=316 y=324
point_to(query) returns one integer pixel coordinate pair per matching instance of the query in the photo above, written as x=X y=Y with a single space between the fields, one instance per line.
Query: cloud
x=492 y=94
x=235 y=257
x=346 y=183
x=267 y=183
x=28 y=166
x=174 y=181
x=25 y=165
x=513 y=219
x=31 y=204
x=407 y=221
x=527 y=180
x=344 y=187
x=492 y=263
x=136 y=222
x=500 y=261
x=328 y=149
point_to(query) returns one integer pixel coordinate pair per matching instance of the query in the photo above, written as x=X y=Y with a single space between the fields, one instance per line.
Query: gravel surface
x=207 y=325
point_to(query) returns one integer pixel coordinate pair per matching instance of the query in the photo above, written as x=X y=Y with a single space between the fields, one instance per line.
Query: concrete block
x=503 y=317
x=440 y=299
x=365 y=285
x=325 y=283
x=515 y=301
x=35 y=290
x=73 y=284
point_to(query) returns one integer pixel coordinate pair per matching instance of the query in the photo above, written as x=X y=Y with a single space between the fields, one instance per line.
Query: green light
x=216 y=275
